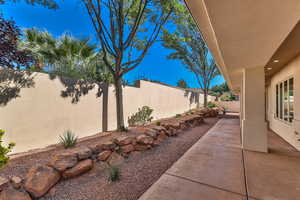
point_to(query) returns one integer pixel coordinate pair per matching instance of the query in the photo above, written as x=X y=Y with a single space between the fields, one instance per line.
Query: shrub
x=113 y=173
x=158 y=123
x=4 y=150
x=141 y=117
x=178 y=115
x=68 y=139
x=211 y=105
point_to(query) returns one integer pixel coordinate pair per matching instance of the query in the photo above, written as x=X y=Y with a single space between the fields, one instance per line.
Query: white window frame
x=281 y=101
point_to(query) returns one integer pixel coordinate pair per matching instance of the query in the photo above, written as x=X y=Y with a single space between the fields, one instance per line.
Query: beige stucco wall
x=40 y=114
x=286 y=130
x=231 y=106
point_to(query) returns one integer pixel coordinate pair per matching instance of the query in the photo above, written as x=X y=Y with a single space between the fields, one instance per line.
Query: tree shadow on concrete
x=12 y=82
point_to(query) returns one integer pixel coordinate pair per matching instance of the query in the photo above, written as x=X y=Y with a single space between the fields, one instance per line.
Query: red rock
x=103 y=156
x=141 y=147
x=83 y=153
x=4 y=182
x=127 y=148
x=162 y=136
x=63 y=161
x=80 y=168
x=40 y=179
x=11 y=193
x=125 y=140
x=108 y=145
x=16 y=181
x=156 y=143
x=143 y=139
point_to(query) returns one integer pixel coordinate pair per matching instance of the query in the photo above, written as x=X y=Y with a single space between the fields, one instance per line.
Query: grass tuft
x=68 y=139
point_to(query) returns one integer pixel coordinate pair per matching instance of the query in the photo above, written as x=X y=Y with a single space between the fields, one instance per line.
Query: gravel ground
x=138 y=172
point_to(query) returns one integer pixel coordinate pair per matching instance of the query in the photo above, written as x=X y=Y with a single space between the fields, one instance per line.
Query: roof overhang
x=245 y=34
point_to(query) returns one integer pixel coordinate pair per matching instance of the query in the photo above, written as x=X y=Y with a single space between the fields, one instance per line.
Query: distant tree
x=218 y=90
x=126 y=30
x=189 y=47
x=182 y=83
x=51 y=4
x=10 y=55
x=228 y=96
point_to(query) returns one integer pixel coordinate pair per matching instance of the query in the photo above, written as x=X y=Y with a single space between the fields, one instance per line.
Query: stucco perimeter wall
x=231 y=106
x=40 y=114
x=289 y=132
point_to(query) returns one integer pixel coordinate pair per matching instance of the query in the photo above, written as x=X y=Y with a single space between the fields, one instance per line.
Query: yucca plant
x=68 y=139
x=113 y=173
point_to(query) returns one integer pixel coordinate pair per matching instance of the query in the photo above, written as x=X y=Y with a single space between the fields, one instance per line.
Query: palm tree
x=66 y=55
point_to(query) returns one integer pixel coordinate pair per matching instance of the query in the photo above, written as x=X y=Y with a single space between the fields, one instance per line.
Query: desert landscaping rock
x=83 y=153
x=127 y=148
x=63 y=161
x=141 y=147
x=11 y=193
x=144 y=139
x=115 y=159
x=3 y=182
x=125 y=140
x=103 y=156
x=16 y=182
x=108 y=145
x=80 y=168
x=40 y=179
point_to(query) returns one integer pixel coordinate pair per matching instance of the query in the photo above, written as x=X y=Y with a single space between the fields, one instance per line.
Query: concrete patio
x=217 y=168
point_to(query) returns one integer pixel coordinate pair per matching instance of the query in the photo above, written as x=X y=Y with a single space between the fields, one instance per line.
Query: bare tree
x=126 y=29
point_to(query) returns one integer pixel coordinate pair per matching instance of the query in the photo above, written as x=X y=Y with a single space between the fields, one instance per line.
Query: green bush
x=4 y=150
x=158 y=123
x=141 y=117
x=113 y=173
x=211 y=105
x=68 y=139
x=178 y=115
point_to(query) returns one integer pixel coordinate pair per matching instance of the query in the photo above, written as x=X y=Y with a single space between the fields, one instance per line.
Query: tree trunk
x=105 y=107
x=119 y=103
x=205 y=99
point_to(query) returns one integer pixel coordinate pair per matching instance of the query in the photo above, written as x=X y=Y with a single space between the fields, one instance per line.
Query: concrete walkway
x=216 y=168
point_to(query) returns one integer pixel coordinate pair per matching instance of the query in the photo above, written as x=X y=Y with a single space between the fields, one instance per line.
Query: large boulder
x=162 y=136
x=125 y=140
x=144 y=139
x=40 y=179
x=80 y=168
x=64 y=161
x=108 y=145
x=104 y=155
x=4 y=182
x=11 y=193
x=115 y=159
x=83 y=153
x=127 y=148
x=142 y=147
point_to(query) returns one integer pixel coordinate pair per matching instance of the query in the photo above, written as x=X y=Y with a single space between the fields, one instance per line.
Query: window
x=285 y=100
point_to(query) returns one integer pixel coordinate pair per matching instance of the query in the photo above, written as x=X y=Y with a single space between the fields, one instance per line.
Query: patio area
x=216 y=167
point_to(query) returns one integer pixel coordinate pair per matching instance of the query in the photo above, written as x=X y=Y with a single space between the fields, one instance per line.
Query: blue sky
x=71 y=17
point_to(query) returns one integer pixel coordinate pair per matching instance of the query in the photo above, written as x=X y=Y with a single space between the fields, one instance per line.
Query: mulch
x=138 y=172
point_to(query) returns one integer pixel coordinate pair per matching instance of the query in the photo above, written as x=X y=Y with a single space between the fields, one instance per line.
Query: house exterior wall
x=288 y=131
x=39 y=115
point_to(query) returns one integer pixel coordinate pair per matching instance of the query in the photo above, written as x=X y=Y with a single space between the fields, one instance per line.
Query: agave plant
x=68 y=139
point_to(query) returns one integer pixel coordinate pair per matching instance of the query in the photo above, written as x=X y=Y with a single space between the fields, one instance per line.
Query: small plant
x=178 y=115
x=113 y=173
x=158 y=123
x=141 y=117
x=4 y=150
x=68 y=139
x=211 y=105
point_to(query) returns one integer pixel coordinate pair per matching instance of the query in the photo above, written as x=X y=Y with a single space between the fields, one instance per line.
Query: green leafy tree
x=51 y=4
x=189 y=47
x=218 y=90
x=126 y=29
x=182 y=83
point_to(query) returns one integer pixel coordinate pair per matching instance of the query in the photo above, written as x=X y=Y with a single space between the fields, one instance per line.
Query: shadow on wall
x=193 y=96
x=77 y=88
x=11 y=83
